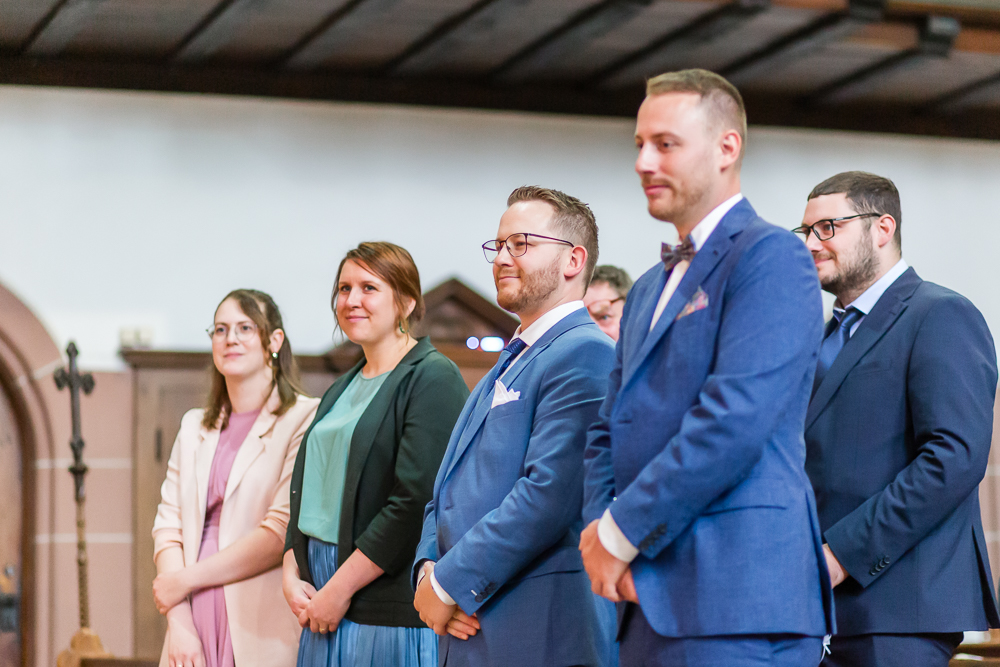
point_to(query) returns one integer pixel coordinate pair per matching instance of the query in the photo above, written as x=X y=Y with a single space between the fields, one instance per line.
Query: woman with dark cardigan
x=365 y=472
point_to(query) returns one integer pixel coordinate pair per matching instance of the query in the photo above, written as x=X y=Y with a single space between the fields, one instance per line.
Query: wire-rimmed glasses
x=517 y=244
x=244 y=331
x=825 y=229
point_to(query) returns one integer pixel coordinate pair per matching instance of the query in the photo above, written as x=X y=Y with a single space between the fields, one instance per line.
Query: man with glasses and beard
x=897 y=438
x=497 y=572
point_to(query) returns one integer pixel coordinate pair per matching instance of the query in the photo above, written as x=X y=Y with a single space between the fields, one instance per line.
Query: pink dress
x=208 y=606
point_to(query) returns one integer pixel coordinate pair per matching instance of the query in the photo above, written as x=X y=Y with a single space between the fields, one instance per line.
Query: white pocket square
x=502 y=395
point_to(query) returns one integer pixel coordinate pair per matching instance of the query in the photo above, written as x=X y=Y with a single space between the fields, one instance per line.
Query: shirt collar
x=704 y=229
x=546 y=322
x=870 y=297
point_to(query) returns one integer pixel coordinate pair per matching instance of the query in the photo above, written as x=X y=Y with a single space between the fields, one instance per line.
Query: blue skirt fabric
x=354 y=645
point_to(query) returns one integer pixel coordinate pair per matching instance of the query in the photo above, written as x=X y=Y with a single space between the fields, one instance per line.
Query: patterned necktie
x=671 y=255
x=514 y=348
x=840 y=332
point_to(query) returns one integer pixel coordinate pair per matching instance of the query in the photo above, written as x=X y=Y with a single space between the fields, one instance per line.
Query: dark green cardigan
x=396 y=450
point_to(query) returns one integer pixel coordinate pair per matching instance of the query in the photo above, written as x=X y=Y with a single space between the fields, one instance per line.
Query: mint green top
x=327 y=449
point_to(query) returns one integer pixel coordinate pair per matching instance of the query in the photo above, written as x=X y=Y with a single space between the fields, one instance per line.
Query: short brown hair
x=396 y=267
x=723 y=101
x=614 y=277
x=573 y=219
x=264 y=313
x=868 y=193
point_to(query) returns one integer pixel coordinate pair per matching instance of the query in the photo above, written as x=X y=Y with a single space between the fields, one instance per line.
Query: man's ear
x=730 y=145
x=885 y=230
x=577 y=262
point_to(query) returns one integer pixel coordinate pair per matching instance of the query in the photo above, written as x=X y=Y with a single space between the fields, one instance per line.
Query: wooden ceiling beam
x=314 y=46
x=570 y=37
x=762 y=109
x=195 y=46
x=710 y=26
x=961 y=98
x=55 y=30
x=828 y=28
x=436 y=34
x=937 y=37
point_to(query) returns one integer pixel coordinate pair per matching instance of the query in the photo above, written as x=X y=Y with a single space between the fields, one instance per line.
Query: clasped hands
x=170 y=589
x=321 y=611
x=440 y=617
x=610 y=577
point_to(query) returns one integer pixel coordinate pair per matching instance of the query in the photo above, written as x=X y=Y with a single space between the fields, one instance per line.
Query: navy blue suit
x=699 y=451
x=504 y=523
x=898 y=435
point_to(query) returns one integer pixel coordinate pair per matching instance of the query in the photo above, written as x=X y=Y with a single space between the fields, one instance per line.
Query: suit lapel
x=875 y=325
x=485 y=401
x=715 y=249
x=203 y=457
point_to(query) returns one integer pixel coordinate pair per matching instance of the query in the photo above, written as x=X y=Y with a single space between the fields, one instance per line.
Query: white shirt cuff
x=613 y=539
x=441 y=593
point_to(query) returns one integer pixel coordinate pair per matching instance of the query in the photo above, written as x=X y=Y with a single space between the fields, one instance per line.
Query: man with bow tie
x=702 y=523
x=497 y=573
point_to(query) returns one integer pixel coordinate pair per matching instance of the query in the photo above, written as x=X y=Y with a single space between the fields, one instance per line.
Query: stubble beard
x=856 y=273
x=535 y=288
x=683 y=200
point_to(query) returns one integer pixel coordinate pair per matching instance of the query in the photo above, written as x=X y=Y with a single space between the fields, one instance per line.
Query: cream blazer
x=263 y=629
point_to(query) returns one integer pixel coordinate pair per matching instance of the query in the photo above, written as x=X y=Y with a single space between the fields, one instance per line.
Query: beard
x=684 y=199
x=856 y=272
x=535 y=288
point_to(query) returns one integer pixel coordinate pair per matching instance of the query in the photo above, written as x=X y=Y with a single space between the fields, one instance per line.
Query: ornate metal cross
x=77 y=382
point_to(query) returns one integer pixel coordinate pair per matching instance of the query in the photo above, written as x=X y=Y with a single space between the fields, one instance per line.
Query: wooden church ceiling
x=913 y=66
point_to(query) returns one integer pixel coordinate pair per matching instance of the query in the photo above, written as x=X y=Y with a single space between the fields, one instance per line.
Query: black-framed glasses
x=517 y=245
x=826 y=228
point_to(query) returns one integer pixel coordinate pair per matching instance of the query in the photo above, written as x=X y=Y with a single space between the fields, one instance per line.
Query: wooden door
x=162 y=396
x=10 y=535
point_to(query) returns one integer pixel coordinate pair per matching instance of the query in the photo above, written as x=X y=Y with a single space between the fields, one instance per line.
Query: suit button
x=479 y=598
x=873 y=572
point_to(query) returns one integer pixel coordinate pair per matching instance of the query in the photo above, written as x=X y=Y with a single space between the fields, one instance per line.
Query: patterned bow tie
x=670 y=255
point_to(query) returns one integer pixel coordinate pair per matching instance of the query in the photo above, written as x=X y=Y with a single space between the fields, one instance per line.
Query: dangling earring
x=401 y=328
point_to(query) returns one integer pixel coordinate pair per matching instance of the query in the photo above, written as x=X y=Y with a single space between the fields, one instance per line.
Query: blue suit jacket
x=504 y=523
x=897 y=436
x=699 y=449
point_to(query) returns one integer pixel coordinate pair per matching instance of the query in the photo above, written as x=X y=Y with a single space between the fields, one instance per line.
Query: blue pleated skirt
x=354 y=645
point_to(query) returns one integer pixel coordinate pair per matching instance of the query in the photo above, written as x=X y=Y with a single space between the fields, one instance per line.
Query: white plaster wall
x=127 y=209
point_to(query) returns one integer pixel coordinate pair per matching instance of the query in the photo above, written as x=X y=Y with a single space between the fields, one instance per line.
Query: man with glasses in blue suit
x=702 y=521
x=898 y=437
x=497 y=573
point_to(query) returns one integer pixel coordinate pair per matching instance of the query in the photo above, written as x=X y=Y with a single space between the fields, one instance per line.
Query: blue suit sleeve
x=769 y=335
x=951 y=387
x=427 y=548
x=546 y=501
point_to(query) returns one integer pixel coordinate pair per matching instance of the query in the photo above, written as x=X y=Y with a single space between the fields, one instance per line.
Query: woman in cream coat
x=220 y=527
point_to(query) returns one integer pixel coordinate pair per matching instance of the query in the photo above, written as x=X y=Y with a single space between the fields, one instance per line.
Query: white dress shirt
x=699 y=235
x=530 y=336
x=611 y=536
x=870 y=296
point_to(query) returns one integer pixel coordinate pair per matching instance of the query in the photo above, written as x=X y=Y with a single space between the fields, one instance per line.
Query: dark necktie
x=671 y=255
x=514 y=348
x=840 y=332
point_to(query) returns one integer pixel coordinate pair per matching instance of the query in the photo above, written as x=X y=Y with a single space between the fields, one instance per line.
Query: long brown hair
x=263 y=312
x=395 y=266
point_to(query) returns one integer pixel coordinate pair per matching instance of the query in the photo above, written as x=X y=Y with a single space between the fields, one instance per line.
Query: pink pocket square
x=697 y=302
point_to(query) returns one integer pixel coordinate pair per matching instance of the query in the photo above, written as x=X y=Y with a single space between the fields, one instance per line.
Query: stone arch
x=28 y=356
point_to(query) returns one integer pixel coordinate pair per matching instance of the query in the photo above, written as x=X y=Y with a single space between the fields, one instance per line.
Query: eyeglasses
x=602 y=308
x=825 y=229
x=244 y=331
x=517 y=245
